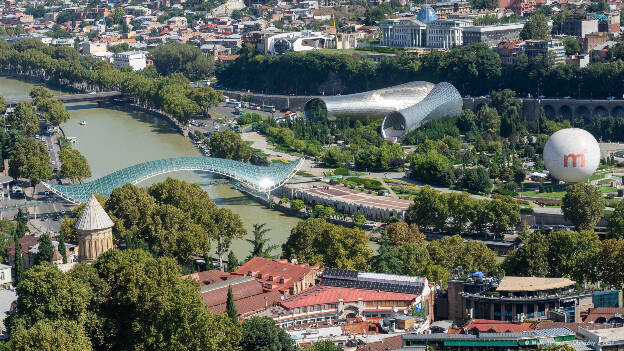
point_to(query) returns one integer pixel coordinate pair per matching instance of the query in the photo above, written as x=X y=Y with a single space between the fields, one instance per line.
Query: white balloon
x=571 y=155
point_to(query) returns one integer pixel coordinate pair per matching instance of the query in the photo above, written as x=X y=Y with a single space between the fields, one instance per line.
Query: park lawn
x=607 y=189
x=553 y=195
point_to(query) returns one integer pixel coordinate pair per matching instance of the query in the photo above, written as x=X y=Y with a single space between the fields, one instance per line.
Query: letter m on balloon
x=575 y=159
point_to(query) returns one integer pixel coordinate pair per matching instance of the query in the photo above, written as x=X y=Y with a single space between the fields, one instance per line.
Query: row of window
x=313 y=308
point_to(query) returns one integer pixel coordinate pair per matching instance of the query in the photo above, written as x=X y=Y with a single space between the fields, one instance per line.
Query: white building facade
x=135 y=59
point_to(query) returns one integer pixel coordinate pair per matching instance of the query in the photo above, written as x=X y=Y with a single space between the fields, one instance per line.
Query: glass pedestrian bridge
x=259 y=178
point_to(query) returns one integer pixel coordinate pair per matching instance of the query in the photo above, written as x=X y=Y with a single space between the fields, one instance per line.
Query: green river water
x=114 y=139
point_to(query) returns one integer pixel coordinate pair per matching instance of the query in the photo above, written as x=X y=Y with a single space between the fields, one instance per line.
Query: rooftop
x=486 y=325
x=609 y=335
x=509 y=283
x=93 y=216
x=323 y=295
x=280 y=274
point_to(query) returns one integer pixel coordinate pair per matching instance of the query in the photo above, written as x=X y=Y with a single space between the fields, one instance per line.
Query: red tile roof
x=321 y=295
x=494 y=326
x=240 y=291
x=271 y=272
x=209 y=277
x=26 y=242
x=250 y=305
x=391 y=343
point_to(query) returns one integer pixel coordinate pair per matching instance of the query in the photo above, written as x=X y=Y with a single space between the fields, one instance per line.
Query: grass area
x=607 y=189
x=534 y=193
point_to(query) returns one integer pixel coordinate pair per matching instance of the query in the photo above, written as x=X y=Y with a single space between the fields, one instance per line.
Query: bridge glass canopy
x=258 y=178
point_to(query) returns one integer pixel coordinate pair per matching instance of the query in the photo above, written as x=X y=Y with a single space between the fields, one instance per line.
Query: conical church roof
x=93 y=216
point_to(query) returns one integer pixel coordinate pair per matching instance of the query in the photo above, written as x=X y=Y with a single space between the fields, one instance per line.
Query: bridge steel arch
x=259 y=178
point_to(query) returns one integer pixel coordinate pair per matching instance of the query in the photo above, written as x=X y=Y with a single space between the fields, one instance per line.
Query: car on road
x=46 y=193
x=610 y=98
x=56 y=218
x=567 y=97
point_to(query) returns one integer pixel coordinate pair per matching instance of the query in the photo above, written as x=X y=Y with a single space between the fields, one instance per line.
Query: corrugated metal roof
x=93 y=216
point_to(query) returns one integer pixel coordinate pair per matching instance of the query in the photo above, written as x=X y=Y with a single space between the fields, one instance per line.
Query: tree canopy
x=228 y=144
x=582 y=205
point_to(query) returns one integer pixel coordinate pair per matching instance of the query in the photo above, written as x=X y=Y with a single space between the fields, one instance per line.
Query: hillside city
x=318 y=175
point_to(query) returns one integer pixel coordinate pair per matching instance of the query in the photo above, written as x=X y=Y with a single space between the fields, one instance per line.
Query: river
x=114 y=138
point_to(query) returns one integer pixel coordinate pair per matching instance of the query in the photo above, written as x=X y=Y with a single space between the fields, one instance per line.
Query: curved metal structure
x=402 y=107
x=259 y=178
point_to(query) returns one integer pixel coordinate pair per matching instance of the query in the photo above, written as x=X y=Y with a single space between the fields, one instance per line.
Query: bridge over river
x=70 y=98
x=258 y=178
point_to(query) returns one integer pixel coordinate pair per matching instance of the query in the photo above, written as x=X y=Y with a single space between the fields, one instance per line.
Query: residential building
x=523 y=7
x=492 y=35
x=5 y=275
x=29 y=247
x=446 y=34
x=509 y=51
x=95 y=231
x=602 y=315
x=344 y=294
x=93 y=48
x=517 y=298
x=134 y=59
x=590 y=41
x=444 y=9
x=579 y=26
x=403 y=33
x=289 y=278
x=552 y=47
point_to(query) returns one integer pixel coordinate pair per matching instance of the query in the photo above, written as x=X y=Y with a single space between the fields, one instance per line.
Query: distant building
x=444 y=9
x=603 y=339
x=552 y=47
x=95 y=231
x=134 y=59
x=5 y=274
x=446 y=34
x=590 y=41
x=93 y=48
x=509 y=51
x=298 y=41
x=579 y=27
x=492 y=35
x=517 y=298
x=403 y=33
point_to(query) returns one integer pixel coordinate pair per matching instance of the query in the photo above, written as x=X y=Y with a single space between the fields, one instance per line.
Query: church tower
x=95 y=231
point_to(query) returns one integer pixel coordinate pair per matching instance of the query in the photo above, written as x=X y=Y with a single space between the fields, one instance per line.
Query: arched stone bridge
x=258 y=178
x=568 y=108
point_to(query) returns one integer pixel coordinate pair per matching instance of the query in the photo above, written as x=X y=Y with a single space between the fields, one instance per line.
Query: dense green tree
x=61 y=247
x=386 y=260
x=39 y=93
x=259 y=243
x=233 y=262
x=182 y=58
x=54 y=111
x=452 y=251
x=230 y=306
x=428 y=210
x=611 y=260
x=3 y=105
x=432 y=168
x=46 y=249
x=25 y=118
x=228 y=144
x=261 y=334
x=130 y=208
x=358 y=220
x=326 y=345
x=615 y=228
x=30 y=160
x=535 y=28
x=582 y=205
x=334 y=157
x=19 y=262
x=400 y=233
x=477 y=180
x=572 y=45
x=317 y=242
x=74 y=165
x=145 y=304
x=47 y=335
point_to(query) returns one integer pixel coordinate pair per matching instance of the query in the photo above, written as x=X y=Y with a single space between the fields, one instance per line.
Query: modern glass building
x=402 y=107
x=426 y=15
